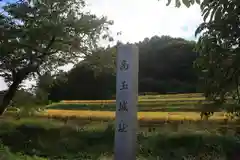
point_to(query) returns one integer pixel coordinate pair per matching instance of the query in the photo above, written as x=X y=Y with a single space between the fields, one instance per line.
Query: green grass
x=6 y=154
x=55 y=140
x=154 y=107
x=39 y=138
x=112 y=107
x=171 y=96
x=164 y=103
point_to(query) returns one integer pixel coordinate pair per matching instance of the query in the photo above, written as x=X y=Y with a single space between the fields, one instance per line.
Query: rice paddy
x=148 y=116
x=150 y=107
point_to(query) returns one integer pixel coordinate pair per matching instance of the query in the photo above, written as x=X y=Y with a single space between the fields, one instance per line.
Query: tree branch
x=50 y=43
x=47 y=48
x=44 y=51
x=30 y=47
x=237 y=85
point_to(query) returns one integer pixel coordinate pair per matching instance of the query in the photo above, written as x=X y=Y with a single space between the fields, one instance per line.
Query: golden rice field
x=148 y=116
x=151 y=101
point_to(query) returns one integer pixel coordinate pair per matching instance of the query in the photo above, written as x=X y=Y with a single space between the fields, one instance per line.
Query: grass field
x=44 y=139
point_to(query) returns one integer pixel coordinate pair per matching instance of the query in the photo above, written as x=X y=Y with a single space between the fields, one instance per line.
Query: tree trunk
x=9 y=95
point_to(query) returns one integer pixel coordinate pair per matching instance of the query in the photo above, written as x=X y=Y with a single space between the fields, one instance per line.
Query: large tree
x=218 y=47
x=40 y=37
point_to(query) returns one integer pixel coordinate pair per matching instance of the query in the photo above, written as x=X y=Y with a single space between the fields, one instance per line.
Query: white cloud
x=137 y=19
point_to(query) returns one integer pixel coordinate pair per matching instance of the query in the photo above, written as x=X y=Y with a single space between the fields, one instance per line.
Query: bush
x=12 y=109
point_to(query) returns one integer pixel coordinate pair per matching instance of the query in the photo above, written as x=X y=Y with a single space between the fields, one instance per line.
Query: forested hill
x=165 y=66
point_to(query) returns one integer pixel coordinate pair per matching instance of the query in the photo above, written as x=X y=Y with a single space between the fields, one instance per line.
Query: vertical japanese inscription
x=123 y=106
x=124 y=85
x=124 y=65
x=126 y=101
x=122 y=127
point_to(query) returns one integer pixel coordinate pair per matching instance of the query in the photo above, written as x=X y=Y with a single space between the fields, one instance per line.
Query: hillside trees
x=92 y=78
x=41 y=37
x=165 y=65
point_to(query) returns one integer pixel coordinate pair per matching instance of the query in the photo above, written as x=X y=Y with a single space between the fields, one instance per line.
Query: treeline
x=165 y=66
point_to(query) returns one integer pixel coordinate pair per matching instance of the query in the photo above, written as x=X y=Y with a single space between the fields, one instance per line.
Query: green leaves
x=187 y=3
x=178 y=3
x=198 y=1
x=206 y=14
x=42 y=36
x=219 y=48
x=218 y=13
x=200 y=28
x=63 y=35
x=169 y=1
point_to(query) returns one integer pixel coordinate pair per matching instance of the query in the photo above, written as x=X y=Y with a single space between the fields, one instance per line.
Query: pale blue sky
x=138 y=19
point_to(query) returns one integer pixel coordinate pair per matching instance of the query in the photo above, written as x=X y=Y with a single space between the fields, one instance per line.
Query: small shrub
x=206 y=115
x=12 y=109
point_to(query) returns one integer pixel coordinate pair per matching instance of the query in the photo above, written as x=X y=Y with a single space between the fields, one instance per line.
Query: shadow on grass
x=64 y=142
